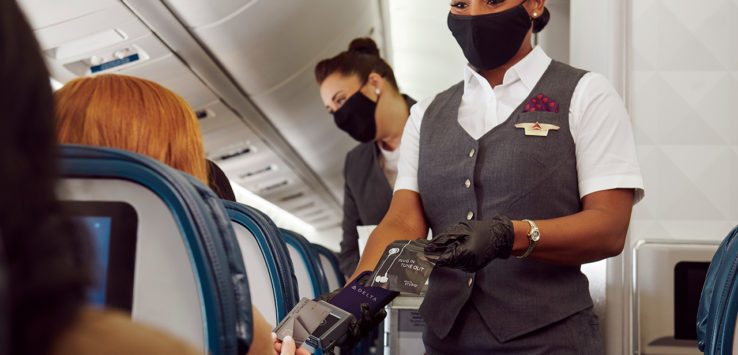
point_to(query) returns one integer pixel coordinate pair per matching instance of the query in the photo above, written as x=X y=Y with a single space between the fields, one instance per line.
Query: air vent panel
x=258 y=172
x=272 y=186
x=291 y=197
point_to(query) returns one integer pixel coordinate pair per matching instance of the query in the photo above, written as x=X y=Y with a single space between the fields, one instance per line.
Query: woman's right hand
x=471 y=245
x=287 y=347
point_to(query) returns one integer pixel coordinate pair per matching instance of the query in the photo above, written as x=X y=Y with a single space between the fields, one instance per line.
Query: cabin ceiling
x=245 y=66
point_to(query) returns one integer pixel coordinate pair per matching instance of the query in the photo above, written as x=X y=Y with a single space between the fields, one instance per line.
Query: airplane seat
x=329 y=261
x=311 y=279
x=269 y=266
x=169 y=247
x=718 y=306
x=236 y=265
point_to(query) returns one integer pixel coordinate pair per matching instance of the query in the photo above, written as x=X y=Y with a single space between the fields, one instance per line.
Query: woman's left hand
x=471 y=245
x=287 y=347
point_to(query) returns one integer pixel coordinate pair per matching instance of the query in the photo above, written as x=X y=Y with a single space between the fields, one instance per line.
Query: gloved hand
x=471 y=245
x=361 y=328
x=358 y=329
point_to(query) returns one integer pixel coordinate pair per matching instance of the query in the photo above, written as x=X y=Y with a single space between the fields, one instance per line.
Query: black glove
x=471 y=245
x=358 y=329
x=362 y=328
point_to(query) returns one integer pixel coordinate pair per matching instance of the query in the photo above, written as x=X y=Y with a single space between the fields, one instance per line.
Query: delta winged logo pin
x=537 y=129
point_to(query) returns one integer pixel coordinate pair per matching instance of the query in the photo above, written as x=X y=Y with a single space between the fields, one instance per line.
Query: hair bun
x=364 y=45
x=540 y=23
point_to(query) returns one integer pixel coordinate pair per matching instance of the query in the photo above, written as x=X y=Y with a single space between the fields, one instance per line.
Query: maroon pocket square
x=541 y=103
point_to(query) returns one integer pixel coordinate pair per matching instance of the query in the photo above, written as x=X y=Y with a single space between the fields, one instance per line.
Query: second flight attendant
x=359 y=88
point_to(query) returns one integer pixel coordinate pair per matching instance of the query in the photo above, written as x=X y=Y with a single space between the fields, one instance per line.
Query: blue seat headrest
x=199 y=218
x=244 y=317
x=333 y=260
x=303 y=246
x=276 y=256
x=716 y=315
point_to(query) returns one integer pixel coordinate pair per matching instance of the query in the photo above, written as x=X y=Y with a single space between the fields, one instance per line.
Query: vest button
x=467 y=183
x=471 y=279
x=469 y=216
x=471 y=152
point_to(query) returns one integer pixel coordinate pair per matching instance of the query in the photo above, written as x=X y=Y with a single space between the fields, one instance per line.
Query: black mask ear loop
x=376 y=90
x=529 y=16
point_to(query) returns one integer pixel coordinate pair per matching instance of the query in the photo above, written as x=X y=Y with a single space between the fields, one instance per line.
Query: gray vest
x=514 y=175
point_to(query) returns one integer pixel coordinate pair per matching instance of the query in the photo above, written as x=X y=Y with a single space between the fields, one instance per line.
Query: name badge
x=537 y=129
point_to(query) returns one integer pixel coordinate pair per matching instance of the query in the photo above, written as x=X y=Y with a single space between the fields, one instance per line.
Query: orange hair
x=134 y=114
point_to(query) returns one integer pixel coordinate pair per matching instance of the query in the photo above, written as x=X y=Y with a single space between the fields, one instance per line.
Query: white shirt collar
x=390 y=156
x=529 y=70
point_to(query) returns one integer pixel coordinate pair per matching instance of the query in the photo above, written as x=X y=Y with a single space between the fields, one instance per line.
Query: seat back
x=718 y=307
x=329 y=261
x=268 y=263
x=310 y=276
x=189 y=277
x=236 y=266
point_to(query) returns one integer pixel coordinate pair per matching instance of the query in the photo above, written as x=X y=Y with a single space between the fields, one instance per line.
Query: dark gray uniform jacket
x=367 y=196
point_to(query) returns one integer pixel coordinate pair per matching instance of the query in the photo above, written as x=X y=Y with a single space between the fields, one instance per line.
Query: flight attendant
x=523 y=171
x=359 y=88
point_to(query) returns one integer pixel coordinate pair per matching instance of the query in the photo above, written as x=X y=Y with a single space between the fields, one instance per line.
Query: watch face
x=535 y=236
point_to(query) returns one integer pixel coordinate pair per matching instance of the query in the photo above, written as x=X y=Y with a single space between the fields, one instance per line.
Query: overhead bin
x=270 y=48
x=91 y=37
x=220 y=118
x=205 y=13
x=72 y=46
x=44 y=13
x=98 y=37
x=297 y=111
x=243 y=38
x=170 y=72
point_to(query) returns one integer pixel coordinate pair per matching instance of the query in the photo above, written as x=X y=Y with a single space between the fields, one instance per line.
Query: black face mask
x=491 y=40
x=356 y=117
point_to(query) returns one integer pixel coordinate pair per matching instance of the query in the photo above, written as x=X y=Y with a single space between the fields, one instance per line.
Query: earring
x=535 y=14
x=377 y=91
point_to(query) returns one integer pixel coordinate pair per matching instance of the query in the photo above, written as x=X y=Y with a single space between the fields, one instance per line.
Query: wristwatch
x=533 y=236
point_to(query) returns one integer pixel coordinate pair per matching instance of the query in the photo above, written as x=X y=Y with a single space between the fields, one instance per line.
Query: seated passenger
x=133 y=114
x=219 y=182
x=141 y=116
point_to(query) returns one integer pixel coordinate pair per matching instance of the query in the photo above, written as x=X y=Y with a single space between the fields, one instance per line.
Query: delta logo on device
x=364 y=293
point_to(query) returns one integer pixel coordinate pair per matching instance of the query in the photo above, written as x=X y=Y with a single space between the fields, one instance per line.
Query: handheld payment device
x=314 y=324
x=330 y=330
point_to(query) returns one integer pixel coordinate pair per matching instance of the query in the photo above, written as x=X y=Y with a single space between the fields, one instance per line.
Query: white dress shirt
x=599 y=124
x=388 y=160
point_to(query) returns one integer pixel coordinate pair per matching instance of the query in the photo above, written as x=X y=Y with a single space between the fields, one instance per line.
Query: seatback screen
x=689 y=278
x=98 y=229
x=112 y=229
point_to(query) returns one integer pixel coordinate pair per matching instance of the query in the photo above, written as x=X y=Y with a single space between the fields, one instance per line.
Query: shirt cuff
x=405 y=183
x=589 y=186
